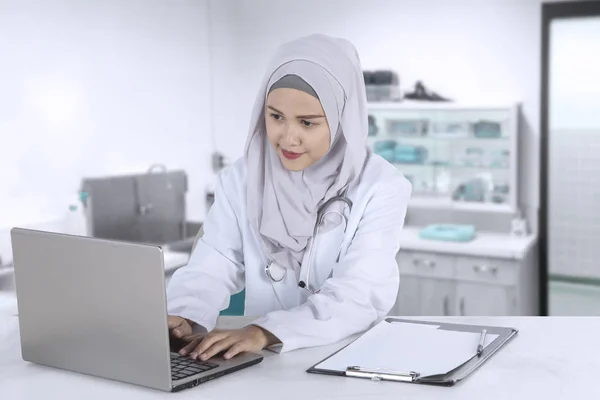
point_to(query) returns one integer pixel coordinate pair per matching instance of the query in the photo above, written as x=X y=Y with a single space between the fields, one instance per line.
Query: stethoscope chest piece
x=275 y=271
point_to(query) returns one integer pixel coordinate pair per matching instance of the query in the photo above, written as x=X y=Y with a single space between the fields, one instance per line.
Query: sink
x=7 y=279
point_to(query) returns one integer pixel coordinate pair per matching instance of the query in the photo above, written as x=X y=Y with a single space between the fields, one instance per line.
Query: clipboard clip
x=382 y=374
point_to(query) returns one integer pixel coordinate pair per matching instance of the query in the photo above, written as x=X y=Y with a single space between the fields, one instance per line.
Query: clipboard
x=448 y=378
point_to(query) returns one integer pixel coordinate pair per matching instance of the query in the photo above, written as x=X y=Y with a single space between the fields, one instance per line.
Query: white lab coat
x=363 y=285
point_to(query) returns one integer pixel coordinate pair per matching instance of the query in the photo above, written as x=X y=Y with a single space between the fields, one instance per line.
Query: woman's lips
x=290 y=155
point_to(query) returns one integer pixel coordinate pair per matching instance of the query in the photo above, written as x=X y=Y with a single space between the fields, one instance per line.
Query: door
x=476 y=299
x=570 y=156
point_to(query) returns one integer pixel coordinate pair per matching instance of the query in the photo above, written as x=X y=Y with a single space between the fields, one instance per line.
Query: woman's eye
x=276 y=117
x=306 y=123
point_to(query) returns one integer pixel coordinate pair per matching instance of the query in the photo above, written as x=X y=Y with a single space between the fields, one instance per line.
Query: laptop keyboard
x=182 y=367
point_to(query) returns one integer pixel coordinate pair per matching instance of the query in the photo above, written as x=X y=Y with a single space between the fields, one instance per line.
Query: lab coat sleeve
x=364 y=284
x=215 y=270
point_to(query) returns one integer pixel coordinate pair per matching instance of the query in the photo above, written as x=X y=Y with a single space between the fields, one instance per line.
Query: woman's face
x=297 y=128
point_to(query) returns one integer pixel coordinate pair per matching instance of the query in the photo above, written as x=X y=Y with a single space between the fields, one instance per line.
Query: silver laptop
x=98 y=307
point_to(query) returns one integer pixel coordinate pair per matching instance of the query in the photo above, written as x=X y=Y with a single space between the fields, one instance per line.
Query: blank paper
x=406 y=347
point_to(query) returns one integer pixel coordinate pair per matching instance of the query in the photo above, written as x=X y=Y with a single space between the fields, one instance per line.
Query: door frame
x=551 y=12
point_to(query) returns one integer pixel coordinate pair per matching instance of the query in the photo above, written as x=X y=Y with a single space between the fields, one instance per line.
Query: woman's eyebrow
x=274 y=109
x=312 y=116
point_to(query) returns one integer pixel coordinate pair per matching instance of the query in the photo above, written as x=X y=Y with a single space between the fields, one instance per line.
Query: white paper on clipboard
x=420 y=348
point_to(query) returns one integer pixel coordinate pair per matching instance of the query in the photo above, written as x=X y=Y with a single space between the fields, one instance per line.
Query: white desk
x=551 y=358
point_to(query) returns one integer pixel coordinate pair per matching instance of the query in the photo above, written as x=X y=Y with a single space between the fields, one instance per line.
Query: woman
x=306 y=145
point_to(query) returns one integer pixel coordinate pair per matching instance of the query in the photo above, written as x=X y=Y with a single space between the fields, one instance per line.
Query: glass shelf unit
x=454 y=155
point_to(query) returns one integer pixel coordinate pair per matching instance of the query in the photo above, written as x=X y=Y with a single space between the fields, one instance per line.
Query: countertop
x=483 y=245
x=550 y=358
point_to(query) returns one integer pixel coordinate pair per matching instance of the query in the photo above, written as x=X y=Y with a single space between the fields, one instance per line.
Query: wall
x=95 y=88
x=487 y=50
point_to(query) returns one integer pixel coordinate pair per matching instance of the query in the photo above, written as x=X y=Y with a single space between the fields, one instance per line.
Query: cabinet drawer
x=426 y=264
x=488 y=270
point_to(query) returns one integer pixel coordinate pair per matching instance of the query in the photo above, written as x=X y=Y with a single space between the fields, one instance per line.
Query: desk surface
x=551 y=358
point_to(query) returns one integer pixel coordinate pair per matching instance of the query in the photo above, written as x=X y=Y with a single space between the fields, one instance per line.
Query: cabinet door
x=407 y=303
x=436 y=297
x=420 y=296
x=474 y=299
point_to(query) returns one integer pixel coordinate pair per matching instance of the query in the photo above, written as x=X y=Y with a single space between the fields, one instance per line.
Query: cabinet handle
x=446 y=310
x=462 y=306
x=485 y=268
x=429 y=263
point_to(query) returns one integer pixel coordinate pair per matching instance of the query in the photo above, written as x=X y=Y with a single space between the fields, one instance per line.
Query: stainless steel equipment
x=143 y=208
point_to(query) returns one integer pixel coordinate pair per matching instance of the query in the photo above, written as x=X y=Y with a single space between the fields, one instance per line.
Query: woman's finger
x=183 y=329
x=173 y=321
x=218 y=347
x=191 y=346
x=207 y=342
x=237 y=348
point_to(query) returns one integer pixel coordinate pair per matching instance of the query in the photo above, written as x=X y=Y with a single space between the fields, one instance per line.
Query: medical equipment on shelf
x=500 y=193
x=498 y=158
x=448 y=232
x=406 y=127
x=518 y=225
x=277 y=273
x=473 y=157
x=385 y=149
x=449 y=129
x=474 y=190
x=487 y=130
x=405 y=154
x=382 y=85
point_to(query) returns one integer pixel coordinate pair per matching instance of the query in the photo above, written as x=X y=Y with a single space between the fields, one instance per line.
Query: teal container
x=448 y=232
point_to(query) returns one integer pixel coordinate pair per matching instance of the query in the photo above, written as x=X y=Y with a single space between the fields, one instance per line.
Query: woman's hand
x=179 y=327
x=249 y=339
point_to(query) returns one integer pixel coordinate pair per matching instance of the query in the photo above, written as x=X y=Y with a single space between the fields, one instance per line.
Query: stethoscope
x=277 y=273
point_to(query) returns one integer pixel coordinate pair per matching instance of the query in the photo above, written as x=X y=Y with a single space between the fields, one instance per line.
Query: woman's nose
x=290 y=137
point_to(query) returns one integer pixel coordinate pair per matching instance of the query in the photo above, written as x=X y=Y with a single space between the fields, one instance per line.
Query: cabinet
x=434 y=284
x=435 y=296
x=483 y=299
x=455 y=155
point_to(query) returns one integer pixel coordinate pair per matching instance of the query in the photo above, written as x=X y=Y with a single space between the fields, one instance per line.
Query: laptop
x=98 y=307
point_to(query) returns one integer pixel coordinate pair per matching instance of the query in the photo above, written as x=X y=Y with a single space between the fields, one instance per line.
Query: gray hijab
x=282 y=205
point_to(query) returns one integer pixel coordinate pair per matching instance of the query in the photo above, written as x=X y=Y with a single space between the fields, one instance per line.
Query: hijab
x=282 y=205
